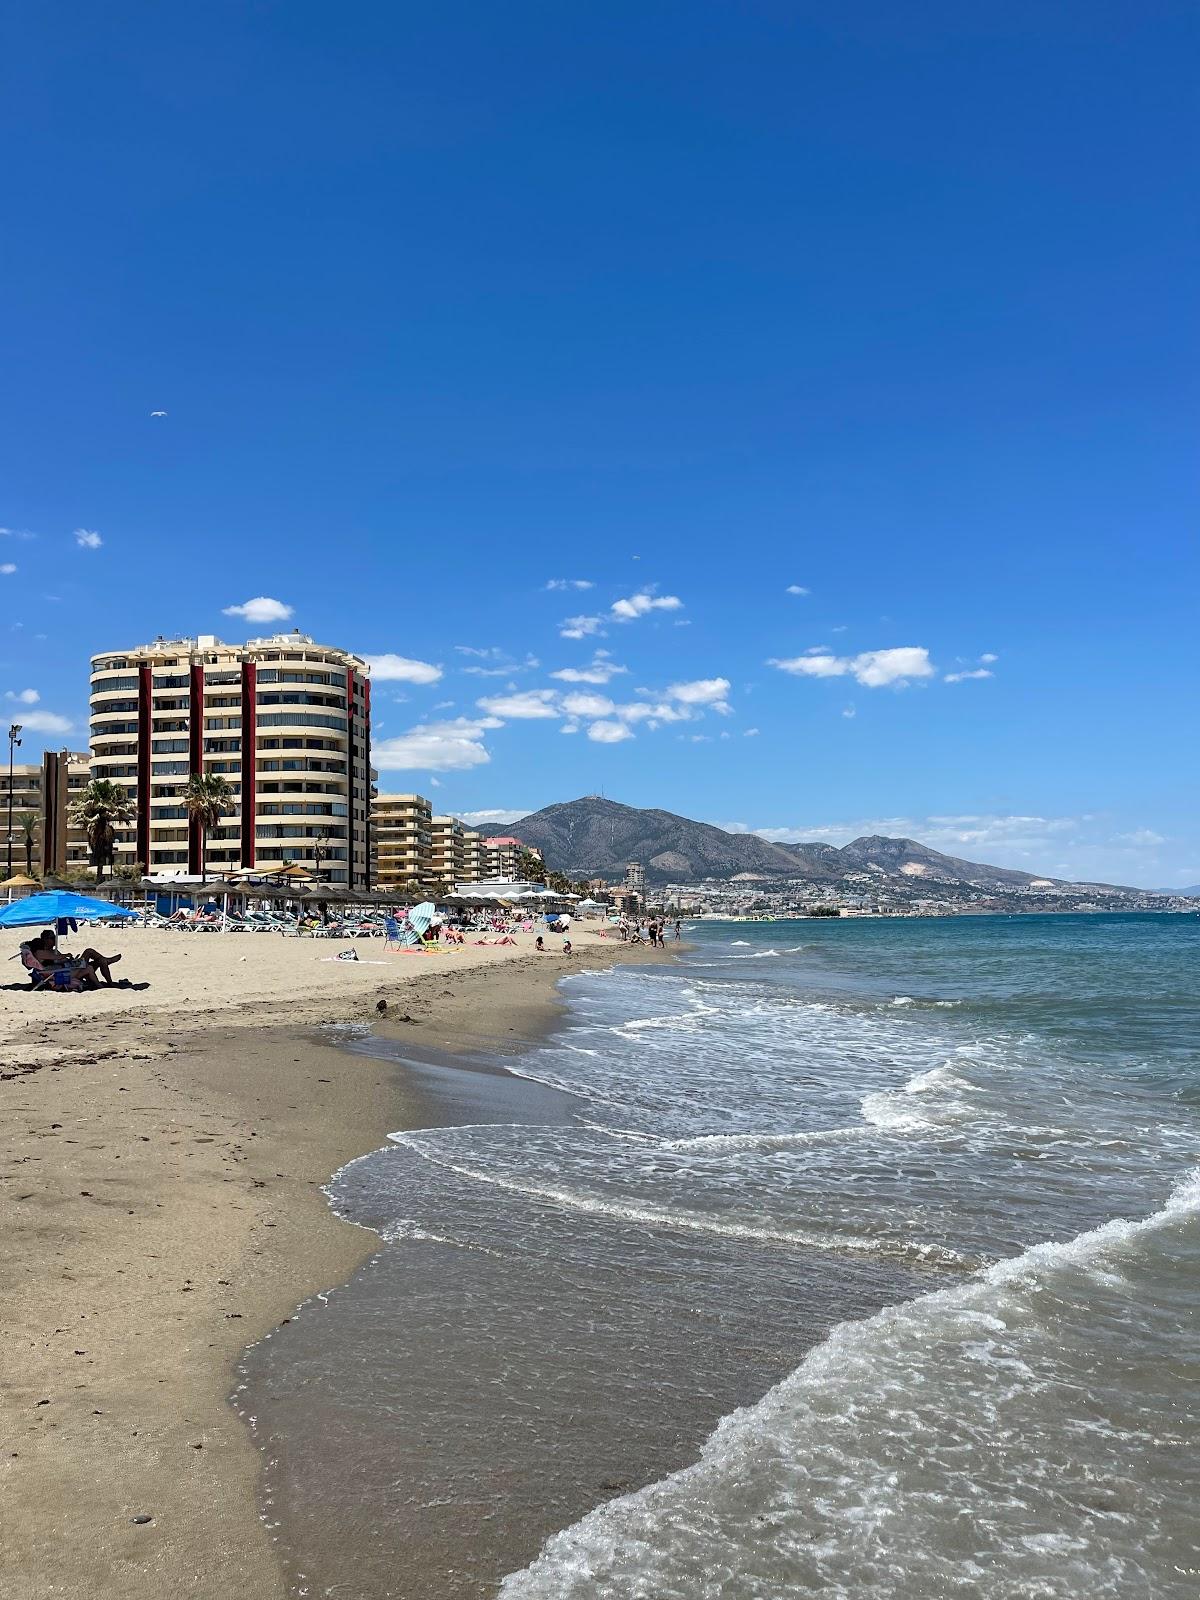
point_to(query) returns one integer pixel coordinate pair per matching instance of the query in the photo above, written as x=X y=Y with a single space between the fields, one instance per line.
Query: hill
x=595 y=837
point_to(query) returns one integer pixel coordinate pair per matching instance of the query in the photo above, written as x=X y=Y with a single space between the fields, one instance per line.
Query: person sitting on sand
x=566 y=947
x=539 y=943
x=88 y=965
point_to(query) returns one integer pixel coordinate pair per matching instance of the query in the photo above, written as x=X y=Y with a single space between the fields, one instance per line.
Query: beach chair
x=393 y=934
x=41 y=977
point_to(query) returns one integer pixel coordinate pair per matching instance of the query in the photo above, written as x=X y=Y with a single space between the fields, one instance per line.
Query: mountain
x=595 y=837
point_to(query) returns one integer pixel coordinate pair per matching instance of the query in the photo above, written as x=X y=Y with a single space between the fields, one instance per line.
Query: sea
x=846 y=1258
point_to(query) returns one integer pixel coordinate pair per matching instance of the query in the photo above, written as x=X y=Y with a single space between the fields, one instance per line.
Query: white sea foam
x=930 y=1100
x=818 y=1486
x=718 y=1142
x=924 y=1254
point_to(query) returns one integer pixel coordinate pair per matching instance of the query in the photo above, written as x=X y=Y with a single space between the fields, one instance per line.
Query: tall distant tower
x=635 y=879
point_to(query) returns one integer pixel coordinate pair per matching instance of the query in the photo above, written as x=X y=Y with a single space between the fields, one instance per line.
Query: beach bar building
x=286 y=720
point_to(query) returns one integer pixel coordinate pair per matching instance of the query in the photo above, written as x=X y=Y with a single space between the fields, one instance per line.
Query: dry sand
x=162 y=1158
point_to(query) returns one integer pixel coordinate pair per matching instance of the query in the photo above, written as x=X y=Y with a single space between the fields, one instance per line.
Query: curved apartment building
x=286 y=720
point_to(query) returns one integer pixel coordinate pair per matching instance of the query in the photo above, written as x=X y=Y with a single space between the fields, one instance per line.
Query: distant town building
x=45 y=790
x=286 y=720
x=503 y=855
x=635 y=879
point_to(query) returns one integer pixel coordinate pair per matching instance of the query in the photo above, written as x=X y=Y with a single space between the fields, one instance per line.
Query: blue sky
x=692 y=306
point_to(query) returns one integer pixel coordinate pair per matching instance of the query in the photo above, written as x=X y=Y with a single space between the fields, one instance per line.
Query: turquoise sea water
x=909 y=1209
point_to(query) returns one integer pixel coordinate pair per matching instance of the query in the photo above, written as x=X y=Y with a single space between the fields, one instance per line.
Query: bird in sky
x=158 y=413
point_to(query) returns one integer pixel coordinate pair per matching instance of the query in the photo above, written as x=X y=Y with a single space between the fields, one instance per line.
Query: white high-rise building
x=286 y=720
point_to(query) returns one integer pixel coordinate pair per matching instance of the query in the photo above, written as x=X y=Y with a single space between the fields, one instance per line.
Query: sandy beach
x=164 y=1152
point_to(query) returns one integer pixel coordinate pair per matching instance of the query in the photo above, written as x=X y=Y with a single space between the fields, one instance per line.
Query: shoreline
x=132 y=1290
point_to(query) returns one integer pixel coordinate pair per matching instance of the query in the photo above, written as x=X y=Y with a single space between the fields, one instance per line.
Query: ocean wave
x=927 y=1101
x=817 y=1486
x=718 y=1142
x=913 y=1251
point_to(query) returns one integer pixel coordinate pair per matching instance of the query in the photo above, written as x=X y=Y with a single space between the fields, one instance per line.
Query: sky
x=779 y=413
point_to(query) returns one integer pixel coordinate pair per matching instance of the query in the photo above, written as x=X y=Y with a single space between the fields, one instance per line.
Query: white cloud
x=16 y=533
x=642 y=603
x=46 y=722
x=261 y=609
x=750 y=733
x=797 y=588
x=850 y=713
x=601 y=669
x=874 y=669
x=581 y=627
x=988 y=657
x=27 y=697
x=570 y=583
x=526 y=704
x=88 y=539
x=389 y=668
x=498 y=815
x=450 y=746
x=7 y=568
x=505 y=666
x=587 y=705
x=702 y=692
x=962 y=677
x=609 y=732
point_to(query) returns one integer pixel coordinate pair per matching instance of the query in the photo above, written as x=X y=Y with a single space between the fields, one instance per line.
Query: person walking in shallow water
x=678 y=928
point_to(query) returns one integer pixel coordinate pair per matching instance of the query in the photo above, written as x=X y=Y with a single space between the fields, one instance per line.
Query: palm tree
x=531 y=867
x=208 y=797
x=100 y=810
x=27 y=826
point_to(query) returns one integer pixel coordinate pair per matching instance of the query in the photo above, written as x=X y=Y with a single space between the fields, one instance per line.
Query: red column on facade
x=350 y=713
x=249 y=758
x=195 y=756
x=142 y=848
x=367 y=765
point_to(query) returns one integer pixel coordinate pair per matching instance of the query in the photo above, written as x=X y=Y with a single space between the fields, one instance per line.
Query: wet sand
x=500 y=1365
x=161 y=1206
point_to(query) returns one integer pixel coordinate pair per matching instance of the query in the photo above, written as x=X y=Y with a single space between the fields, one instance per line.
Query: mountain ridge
x=597 y=837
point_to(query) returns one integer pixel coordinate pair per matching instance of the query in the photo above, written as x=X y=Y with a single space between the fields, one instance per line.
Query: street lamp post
x=13 y=740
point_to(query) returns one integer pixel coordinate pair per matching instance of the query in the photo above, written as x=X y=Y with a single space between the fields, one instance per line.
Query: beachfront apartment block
x=402 y=840
x=417 y=851
x=41 y=793
x=286 y=720
x=504 y=855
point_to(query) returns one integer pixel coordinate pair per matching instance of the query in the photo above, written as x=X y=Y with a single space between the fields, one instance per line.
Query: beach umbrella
x=52 y=904
x=19 y=881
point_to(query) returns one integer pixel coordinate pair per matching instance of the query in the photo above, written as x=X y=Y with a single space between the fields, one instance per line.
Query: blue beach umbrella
x=46 y=908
